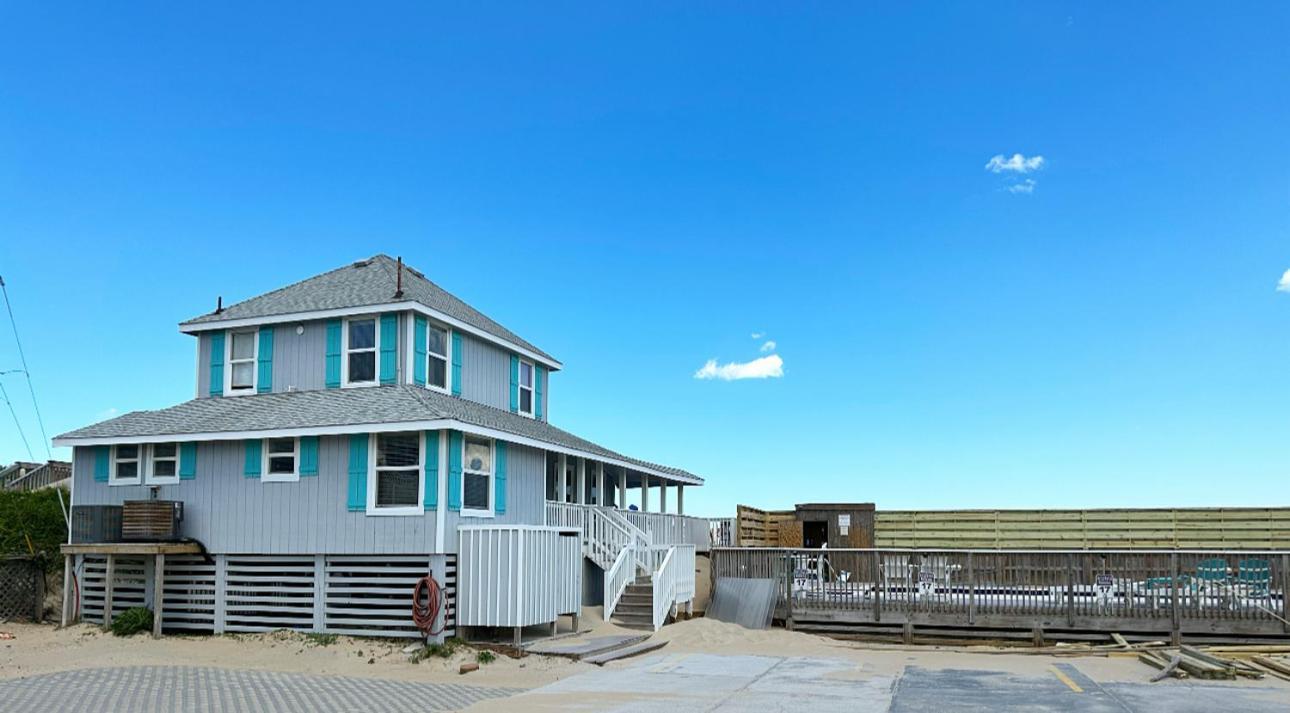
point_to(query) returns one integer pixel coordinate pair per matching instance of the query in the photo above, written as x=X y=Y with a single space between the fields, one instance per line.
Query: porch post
x=582 y=481
x=622 y=489
x=662 y=496
x=600 y=483
x=680 y=499
x=564 y=479
x=644 y=493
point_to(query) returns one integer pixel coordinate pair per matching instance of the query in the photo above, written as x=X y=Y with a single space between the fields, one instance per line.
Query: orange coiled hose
x=426 y=600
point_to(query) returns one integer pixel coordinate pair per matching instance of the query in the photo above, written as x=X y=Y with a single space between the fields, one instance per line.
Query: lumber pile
x=1218 y=663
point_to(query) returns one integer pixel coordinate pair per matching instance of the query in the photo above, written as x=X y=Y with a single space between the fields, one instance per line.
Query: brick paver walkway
x=163 y=689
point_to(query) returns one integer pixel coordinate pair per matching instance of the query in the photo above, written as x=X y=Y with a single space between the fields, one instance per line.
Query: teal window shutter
x=264 y=380
x=539 y=376
x=187 y=460
x=102 y=462
x=432 y=470
x=419 y=350
x=308 y=455
x=454 y=470
x=333 y=354
x=456 y=364
x=217 y=364
x=389 y=348
x=251 y=468
x=515 y=384
x=358 y=472
x=500 y=474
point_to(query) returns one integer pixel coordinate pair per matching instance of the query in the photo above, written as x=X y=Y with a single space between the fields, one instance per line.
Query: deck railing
x=1185 y=591
x=660 y=528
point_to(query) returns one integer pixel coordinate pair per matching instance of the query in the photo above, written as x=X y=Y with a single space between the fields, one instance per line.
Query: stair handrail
x=617 y=577
x=640 y=539
x=602 y=534
x=664 y=581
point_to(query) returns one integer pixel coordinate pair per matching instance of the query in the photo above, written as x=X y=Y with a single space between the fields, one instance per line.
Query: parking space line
x=1066 y=680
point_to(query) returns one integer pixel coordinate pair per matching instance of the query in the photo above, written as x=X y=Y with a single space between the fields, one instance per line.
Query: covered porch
x=654 y=503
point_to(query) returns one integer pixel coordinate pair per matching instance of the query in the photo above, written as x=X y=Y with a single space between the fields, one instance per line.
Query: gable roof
x=365 y=283
x=336 y=411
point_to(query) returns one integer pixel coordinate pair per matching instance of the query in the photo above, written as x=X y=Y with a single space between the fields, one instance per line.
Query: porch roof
x=340 y=411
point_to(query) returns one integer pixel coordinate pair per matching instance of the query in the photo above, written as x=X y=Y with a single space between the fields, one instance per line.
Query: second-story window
x=526 y=388
x=241 y=362
x=360 y=351
x=436 y=357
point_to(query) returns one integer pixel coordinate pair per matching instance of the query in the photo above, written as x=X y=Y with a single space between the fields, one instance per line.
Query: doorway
x=815 y=534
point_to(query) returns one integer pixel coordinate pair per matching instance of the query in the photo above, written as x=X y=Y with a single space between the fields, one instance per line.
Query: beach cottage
x=350 y=435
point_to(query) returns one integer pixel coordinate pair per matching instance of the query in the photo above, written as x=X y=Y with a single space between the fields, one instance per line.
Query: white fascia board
x=429 y=425
x=198 y=327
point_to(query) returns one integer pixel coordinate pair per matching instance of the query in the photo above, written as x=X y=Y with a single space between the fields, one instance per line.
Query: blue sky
x=640 y=188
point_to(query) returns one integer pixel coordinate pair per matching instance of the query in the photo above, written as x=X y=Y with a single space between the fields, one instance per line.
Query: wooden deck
x=1164 y=592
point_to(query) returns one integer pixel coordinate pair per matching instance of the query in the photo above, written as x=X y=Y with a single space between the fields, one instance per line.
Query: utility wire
x=27 y=372
x=5 y=395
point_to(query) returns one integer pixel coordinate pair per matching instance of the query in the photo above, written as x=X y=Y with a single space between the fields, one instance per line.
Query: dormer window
x=361 y=344
x=526 y=388
x=241 y=362
x=436 y=357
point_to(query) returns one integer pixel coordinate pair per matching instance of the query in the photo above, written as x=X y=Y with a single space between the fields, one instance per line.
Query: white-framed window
x=163 y=463
x=362 y=343
x=240 y=372
x=477 y=477
x=526 y=388
x=281 y=460
x=127 y=464
x=436 y=357
x=396 y=485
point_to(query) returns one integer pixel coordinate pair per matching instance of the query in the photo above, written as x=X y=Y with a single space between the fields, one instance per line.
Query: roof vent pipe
x=219 y=304
x=398 y=287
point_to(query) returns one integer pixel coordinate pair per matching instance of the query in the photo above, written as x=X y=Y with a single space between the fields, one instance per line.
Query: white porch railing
x=665 y=587
x=617 y=577
x=659 y=528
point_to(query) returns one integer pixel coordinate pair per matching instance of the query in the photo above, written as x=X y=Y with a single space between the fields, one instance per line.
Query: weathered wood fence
x=1172 y=528
x=1159 y=592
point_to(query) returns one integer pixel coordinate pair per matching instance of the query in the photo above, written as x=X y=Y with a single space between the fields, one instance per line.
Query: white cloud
x=758 y=335
x=1016 y=164
x=1284 y=284
x=769 y=346
x=767 y=367
x=1027 y=186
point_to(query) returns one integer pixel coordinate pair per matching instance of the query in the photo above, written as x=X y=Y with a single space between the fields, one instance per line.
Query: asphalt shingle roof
x=341 y=407
x=366 y=282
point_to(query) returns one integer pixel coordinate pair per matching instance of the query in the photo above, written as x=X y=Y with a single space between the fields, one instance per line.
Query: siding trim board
x=417 y=307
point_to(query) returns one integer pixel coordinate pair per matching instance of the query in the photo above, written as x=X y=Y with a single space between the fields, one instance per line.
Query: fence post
x=1285 y=593
x=877 y=586
x=1175 y=634
x=788 y=588
x=971 y=578
x=1070 y=590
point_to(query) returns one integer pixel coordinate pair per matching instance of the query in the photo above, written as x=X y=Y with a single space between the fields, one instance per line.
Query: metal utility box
x=151 y=520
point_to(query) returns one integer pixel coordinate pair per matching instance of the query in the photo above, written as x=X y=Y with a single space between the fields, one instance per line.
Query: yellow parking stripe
x=1066 y=680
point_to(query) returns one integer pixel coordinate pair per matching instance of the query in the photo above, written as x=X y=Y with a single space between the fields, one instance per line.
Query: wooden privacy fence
x=1176 y=592
x=766 y=528
x=22 y=588
x=1185 y=528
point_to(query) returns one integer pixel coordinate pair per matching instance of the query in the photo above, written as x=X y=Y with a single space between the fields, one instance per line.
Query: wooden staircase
x=636 y=608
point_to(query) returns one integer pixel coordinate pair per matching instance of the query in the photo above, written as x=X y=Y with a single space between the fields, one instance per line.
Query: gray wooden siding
x=299 y=360
x=485 y=373
x=230 y=513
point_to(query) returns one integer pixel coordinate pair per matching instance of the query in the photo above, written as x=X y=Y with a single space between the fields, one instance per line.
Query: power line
x=26 y=372
x=5 y=395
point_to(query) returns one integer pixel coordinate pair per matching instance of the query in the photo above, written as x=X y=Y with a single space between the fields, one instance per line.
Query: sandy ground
x=39 y=649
